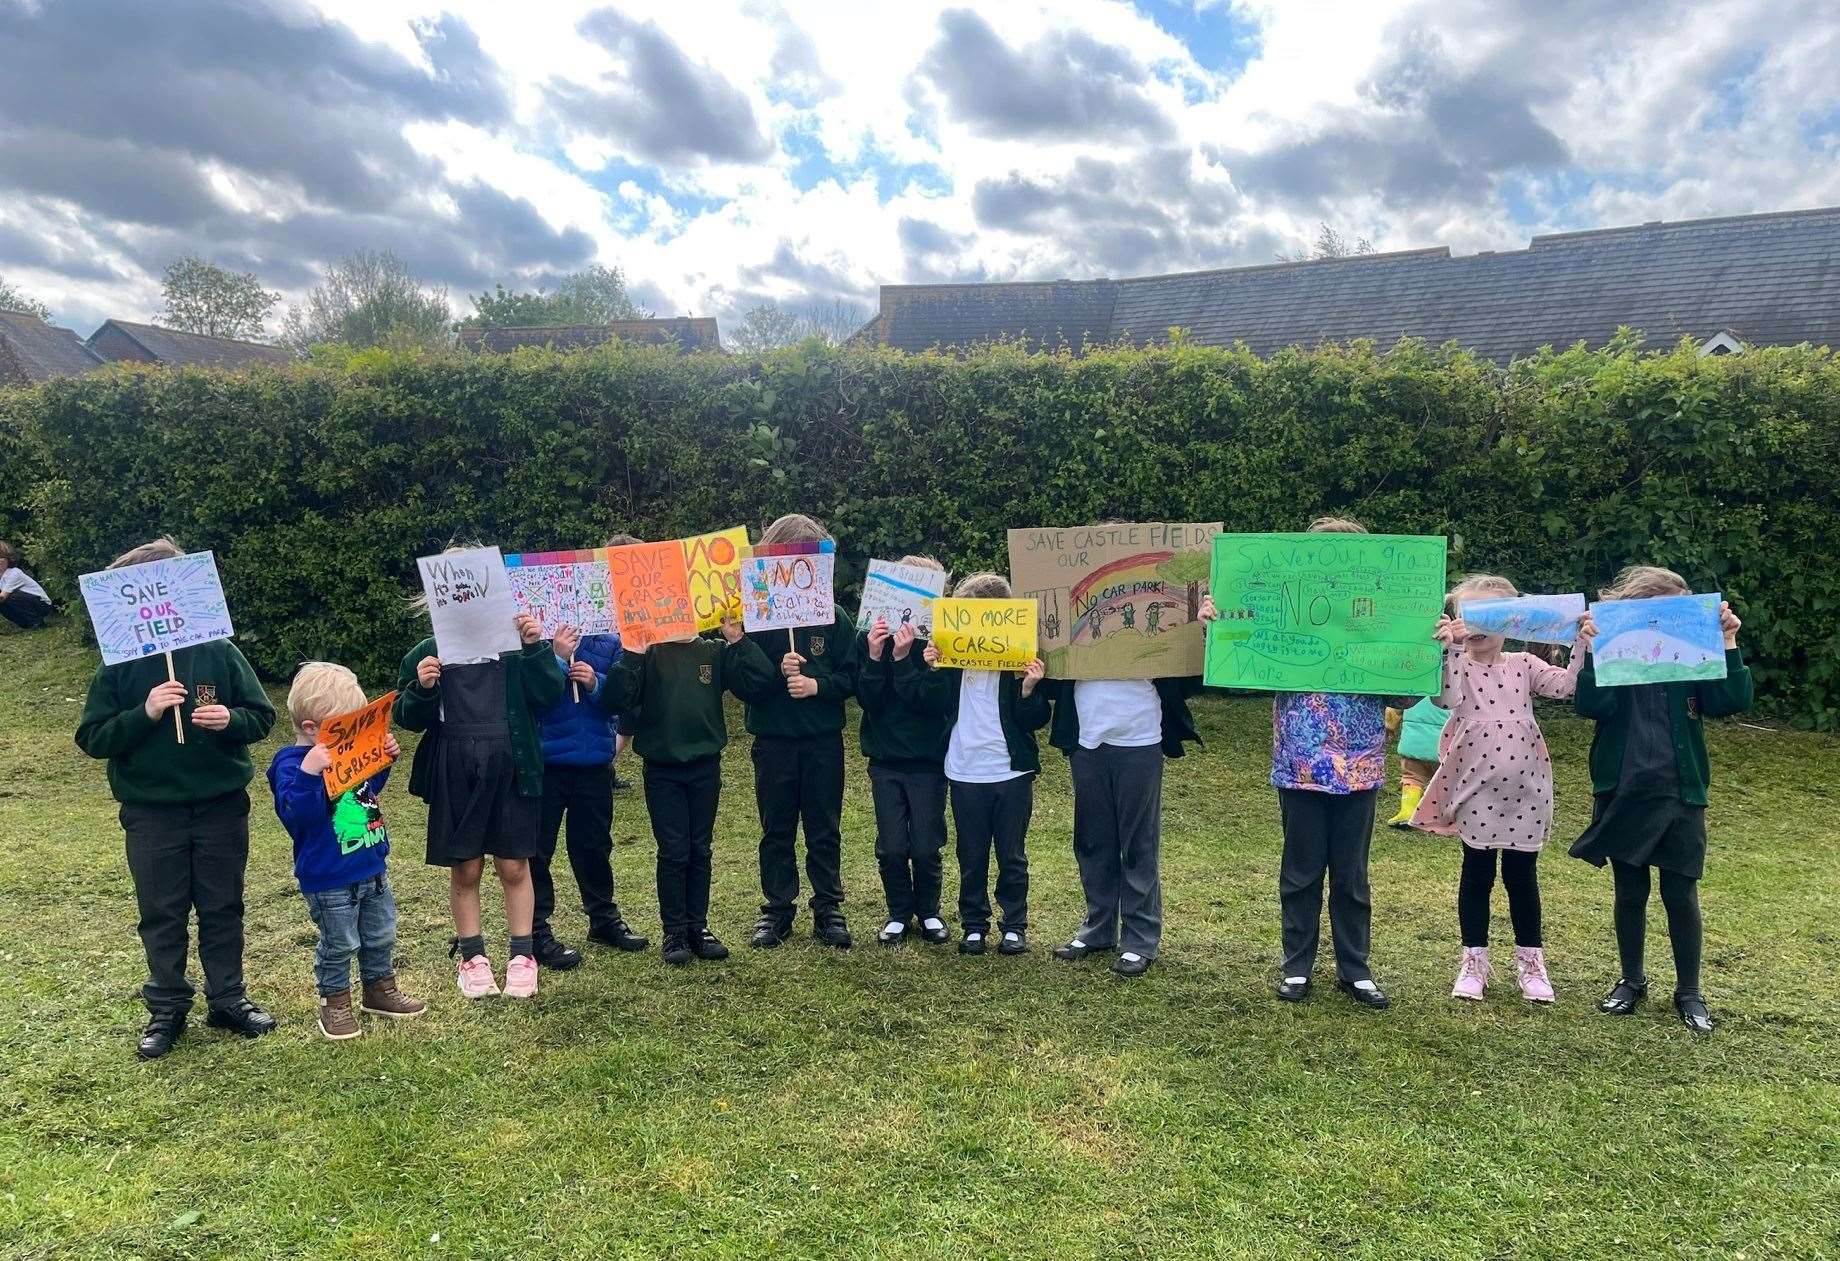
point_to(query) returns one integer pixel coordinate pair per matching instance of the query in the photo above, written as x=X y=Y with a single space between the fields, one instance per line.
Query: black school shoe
x=1013 y=945
x=245 y=1018
x=1293 y=991
x=768 y=933
x=1375 y=998
x=676 y=950
x=1624 y=998
x=1128 y=967
x=895 y=936
x=1076 y=950
x=162 y=1033
x=618 y=935
x=832 y=931
x=1693 y=1013
x=973 y=944
x=935 y=936
x=553 y=954
x=706 y=945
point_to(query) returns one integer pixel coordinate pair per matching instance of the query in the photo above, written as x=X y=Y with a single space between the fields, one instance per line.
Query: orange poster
x=651 y=592
x=356 y=742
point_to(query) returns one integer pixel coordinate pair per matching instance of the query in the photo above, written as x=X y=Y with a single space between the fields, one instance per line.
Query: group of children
x=509 y=751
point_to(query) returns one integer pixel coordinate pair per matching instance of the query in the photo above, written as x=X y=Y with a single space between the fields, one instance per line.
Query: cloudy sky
x=727 y=151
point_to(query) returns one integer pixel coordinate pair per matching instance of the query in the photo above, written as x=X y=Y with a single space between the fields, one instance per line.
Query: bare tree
x=768 y=326
x=204 y=298
x=1330 y=244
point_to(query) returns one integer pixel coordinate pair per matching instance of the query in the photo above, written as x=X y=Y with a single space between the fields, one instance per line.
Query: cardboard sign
x=1536 y=619
x=985 y=634
x=356 y=742
x=900 y=594
x=1117 y=601
x=787 y=585
x=563 y=589
x=651 y=593
x=1327 y=613
x=158 y=606
x=1667 y=639
x=470 y=604
x=713 y=563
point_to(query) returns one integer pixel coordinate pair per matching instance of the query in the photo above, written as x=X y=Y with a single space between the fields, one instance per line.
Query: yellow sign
x=984 y=634
x=713 y=563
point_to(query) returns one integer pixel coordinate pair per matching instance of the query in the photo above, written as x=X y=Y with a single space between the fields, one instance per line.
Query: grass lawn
x=913 y=1103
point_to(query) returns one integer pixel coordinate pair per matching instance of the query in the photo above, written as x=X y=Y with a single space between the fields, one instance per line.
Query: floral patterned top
x=1330 y=742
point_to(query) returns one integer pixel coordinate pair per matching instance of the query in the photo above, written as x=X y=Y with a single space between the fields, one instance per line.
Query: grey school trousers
x=1117 y=840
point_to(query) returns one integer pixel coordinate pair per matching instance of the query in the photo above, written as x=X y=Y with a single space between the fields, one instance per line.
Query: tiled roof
x=1766 y=279
x=170 y=346
x=32 y=351
x=687 y=332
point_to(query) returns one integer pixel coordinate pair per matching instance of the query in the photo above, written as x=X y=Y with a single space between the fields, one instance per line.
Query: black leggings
x=1518 y=876
x=1680 y=896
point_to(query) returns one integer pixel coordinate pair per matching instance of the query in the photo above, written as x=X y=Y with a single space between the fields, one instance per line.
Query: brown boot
x=382 y=998
x=336 y=1018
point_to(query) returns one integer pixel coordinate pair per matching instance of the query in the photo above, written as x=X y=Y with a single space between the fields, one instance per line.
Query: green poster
x=1326 y=613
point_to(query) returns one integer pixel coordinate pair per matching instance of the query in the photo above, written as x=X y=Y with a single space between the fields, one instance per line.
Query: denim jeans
x=358 y=919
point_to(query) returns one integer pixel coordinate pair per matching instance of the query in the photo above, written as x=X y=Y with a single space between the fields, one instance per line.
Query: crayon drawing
x=1667 y=639
x=159 y=606
x=1536 y=619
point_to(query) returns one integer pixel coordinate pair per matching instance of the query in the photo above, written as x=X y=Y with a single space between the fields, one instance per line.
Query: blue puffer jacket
x=580 y=733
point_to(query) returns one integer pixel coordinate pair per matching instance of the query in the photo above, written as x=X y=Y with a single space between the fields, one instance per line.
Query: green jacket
x=669 y=697
x=895 y=732
x=1178 y=723
x=147 y=764
x=533 y=682
x=935 y=691
x=830 y=654
x=1688 y=703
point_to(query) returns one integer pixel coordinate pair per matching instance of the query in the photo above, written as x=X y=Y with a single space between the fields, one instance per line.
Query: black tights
x=1680 y=895
x=1518 y=877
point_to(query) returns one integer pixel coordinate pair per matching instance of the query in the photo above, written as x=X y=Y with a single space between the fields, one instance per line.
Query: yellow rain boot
x=1408 y=802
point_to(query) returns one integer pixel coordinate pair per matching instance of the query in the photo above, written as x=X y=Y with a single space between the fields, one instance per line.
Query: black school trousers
x=910 y=836
x=583 y=797
x=184 y=859
x=993 y=817
x=1326 y=835
x=799 y=779
x=682 y=802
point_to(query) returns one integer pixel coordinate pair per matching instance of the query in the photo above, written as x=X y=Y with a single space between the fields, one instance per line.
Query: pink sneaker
x=1530 y=964
x=1473 y=974
x=475 y=977
x=521 y=977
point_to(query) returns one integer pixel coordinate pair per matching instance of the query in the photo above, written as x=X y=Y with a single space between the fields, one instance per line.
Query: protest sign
x=1536 y=619
x=788 y=585
x=651 y=593
x=985 y=634
x=1117 y=601
x=900 y=594
x=470 y=604
x=1667 y=639
x=158 y=606
x=356 y=743
x=563 y=589
x=1327 y=612
x=713 y=564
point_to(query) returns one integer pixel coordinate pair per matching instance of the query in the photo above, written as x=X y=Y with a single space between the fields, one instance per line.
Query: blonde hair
x=984 y=586
x=1475 y=585
x=1336 y=525
x=162 y=548
x=622 y=539
x=322 y=690
x=1639 y=582
x=795 y=527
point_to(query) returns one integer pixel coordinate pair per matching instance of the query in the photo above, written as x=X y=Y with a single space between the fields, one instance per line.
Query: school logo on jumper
x=706 y=673
x=817 y=645
x=207 y=693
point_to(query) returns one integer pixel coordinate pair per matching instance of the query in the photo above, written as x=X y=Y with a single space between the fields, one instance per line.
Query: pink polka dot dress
x=1494 y=782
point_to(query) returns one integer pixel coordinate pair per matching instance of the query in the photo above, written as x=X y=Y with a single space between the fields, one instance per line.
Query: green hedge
x=319 y=486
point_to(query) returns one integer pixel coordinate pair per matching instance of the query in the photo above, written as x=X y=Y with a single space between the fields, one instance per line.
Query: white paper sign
x=1539 y=619
x=470 y=604
x=787 y=585
x=156 y=607
x=900 y=593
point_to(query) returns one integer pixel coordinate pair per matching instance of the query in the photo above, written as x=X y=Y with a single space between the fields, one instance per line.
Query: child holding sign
x=185 y=811
x=798 y=763
x=1650 y=775
x=341 y=849
x=480 y=769
x=1493 y=787
x=991 y=762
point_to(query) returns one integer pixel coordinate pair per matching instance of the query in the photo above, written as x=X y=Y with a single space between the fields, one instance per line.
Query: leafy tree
x=204 y=298
x=768 y=326
x=369 y=298
x=12 y=299
x=1190 y=570
x=594 y=295
x=1330 y=244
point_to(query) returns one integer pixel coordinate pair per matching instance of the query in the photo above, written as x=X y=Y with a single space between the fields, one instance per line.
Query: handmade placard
x=1666 y=639
x=470 y=604
x=901 y=595
x=1327 y=613
x=985 y=634
x=563 y=589
x=356 y=742
x=788 y=585
x=1536 y=619
x=1117 y=601
x=713 y=564
x=651 y=593
x=158 y=606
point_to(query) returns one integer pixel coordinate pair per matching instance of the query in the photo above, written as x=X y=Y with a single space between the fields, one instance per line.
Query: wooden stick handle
x=573 y=685
x=178 y=718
